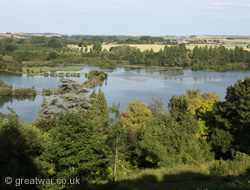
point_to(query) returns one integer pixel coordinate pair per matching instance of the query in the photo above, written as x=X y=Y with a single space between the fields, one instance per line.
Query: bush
x=94 y=73
x=46 y=92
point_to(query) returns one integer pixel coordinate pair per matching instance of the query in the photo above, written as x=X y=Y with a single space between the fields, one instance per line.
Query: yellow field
x=157 y=48
x=142 y=47
x=230 y=46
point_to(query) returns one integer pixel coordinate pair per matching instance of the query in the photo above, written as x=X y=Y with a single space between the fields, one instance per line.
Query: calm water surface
x=125 y=85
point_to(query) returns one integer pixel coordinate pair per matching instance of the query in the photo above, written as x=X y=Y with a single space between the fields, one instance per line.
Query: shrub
x=25 y=91
x=94 y=73
x=46 y=92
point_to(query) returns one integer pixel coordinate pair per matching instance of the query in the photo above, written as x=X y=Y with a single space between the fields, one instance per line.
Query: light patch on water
x=137 y=79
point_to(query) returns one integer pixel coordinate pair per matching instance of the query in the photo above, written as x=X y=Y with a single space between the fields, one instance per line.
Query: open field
x=157 y=48
x=230 y=46
x=4 y=35
x=142 y=47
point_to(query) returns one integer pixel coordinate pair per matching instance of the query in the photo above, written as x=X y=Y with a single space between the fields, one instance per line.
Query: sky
x=126 y=17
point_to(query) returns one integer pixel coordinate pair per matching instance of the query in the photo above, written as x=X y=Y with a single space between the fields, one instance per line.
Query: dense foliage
x=229 y=121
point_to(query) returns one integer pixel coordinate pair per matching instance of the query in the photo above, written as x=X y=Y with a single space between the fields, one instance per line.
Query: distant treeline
x=40 y=51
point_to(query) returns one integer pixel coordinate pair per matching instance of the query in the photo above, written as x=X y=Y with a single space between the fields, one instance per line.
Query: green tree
x=54 y=43
x=178 y=105
x=166 y=141
x=133 y=121
x=20 y=145
x=86 y=49
x=231 y=119
x=76 y=147
x=52 y=55
x=100 y=112
x=71 y=95
x=117 y=144
x=136 y=116
x=97 y=47
x=204 y=115
x=188 y=104
x=46 y=119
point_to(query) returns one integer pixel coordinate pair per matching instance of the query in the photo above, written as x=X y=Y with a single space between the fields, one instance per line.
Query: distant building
x=158 y=43
x=184 y=41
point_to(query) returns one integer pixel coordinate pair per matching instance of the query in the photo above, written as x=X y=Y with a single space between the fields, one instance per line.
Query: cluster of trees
x=14 y=53
x=212 y=58
x=7 y=63
x=224 y=125
x=95 y=73
x=84 y=41
x=199 y=58
x=98 y=142
x=219 y=57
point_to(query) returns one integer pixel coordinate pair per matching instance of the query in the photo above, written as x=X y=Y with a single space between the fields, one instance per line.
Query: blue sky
x=126 y=17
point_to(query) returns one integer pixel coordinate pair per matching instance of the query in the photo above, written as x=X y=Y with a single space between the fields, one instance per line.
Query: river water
x=125 y=85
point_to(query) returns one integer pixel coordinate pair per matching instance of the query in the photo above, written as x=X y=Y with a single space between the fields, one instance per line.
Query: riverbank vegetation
x=95 y=78
x=9 y=90
x=40 y=70
x=16 y=54
x=202 y=143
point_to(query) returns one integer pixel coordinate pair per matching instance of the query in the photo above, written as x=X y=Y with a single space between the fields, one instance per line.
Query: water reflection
x=155 y=71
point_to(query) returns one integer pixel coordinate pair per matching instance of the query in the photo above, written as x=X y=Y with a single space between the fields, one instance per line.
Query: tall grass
x=203 y=169
x=209 y=175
